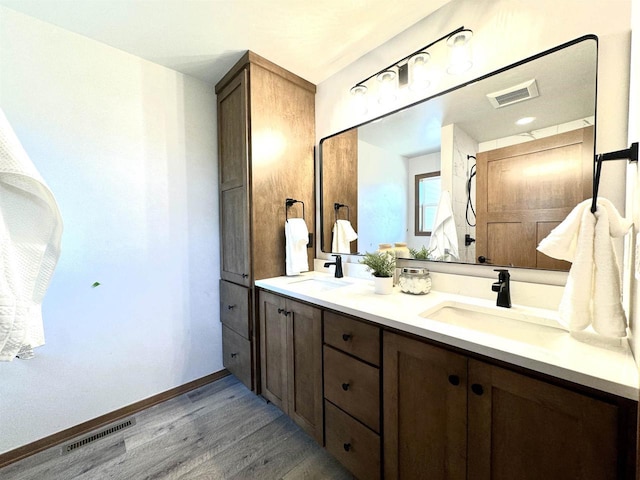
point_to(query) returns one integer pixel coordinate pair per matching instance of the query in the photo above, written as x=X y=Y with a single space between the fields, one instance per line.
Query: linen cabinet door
x=305 y=367
x=273 y=349
x=524 y=428
x=233 y=181
x=425 y=411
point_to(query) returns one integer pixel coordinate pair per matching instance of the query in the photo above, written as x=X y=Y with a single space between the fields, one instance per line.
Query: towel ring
x=337 y=206
x=287 y=203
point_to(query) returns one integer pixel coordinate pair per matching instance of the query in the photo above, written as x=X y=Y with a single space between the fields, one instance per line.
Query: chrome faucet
x=338 y=264
x=502 y=287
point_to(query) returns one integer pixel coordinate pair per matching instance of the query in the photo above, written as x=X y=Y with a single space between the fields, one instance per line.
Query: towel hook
x=337 y=206
x=630 y=154
x=287 y=203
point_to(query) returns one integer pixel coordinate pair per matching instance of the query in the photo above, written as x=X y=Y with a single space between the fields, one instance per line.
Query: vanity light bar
x=404 y=60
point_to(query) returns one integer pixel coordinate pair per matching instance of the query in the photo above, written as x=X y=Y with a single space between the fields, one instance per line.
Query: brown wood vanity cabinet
x=447 y=416
x=266 y=137
x=291 y=359
x=352 y=394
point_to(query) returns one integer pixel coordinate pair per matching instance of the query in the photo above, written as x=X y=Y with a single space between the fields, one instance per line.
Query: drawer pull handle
x=477 y=389
x=345 y=386
x=454 y=380
x=347 y=447
x=231 y=307
x=234 y=355
x=346 y=337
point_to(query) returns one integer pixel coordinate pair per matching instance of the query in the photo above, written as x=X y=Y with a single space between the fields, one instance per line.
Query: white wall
x=129 y=150
x=381 y=201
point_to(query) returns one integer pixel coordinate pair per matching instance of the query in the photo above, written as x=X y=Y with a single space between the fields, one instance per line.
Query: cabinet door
x=233 y=181
x=525 y=428
x=425 y=396
x=305 y=367
x=234 y=239
x=273 y=349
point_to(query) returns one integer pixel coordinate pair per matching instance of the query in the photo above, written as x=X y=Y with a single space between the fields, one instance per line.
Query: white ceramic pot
x=383 y=285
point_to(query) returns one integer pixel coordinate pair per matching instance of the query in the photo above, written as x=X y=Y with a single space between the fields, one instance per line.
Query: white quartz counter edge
x=609 y=367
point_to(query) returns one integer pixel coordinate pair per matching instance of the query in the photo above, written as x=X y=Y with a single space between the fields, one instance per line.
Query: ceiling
x=204 y=38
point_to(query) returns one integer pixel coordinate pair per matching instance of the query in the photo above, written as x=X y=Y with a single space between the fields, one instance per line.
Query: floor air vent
x=97 y=436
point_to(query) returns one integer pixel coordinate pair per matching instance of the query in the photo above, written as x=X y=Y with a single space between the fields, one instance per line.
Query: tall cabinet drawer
x=236 y=354
x=234 y=308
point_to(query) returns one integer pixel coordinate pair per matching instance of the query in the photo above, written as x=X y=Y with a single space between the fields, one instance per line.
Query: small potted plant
x=382 y=266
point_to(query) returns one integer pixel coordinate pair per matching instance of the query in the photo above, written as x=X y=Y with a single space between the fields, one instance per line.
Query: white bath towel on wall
x=296 y=239
x=30 y=235
x=444 y=236
x=592 y=294
x=343 y=235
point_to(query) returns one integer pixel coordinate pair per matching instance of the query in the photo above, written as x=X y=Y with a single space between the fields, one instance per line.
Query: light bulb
x=388 y=81
x=359 y=98
x=460 y=60
x=418 y=71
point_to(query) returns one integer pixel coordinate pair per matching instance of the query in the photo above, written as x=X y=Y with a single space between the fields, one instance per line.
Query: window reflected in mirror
x=427 y=196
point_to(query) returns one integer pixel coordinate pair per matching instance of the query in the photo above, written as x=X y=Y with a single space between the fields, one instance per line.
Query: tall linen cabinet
x=266 y=136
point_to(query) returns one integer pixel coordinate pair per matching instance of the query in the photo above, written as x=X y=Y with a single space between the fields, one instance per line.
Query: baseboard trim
x=86 y=427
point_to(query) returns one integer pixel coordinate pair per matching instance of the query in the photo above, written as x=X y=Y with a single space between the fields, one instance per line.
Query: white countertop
x=534 y=341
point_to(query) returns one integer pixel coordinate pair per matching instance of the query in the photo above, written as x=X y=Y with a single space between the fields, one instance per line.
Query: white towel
x=296 y=239
x=30 y=235
x=592 y=294
x=343 y=235
x=444 y=236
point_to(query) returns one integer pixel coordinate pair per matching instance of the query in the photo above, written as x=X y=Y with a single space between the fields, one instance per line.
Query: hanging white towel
x=592 y=293
x=296 y=239
x=343 y=235
x=30 y=235
x=444 y=236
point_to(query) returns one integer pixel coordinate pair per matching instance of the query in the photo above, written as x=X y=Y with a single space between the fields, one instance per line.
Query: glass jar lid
x=415 y=271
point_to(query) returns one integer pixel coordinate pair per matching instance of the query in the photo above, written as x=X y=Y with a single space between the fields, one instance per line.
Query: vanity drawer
x=234 y=307
x=353 y=444
x=357 y=338
x=236 y=355
x=352 y=385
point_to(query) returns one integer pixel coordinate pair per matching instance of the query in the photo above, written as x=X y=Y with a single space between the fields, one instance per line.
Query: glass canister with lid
x=415 y=280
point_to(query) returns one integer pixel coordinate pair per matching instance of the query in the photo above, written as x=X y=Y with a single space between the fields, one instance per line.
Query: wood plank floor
x=219 y=431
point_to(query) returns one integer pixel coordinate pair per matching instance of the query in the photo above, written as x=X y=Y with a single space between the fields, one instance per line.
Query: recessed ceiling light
x=525 y=120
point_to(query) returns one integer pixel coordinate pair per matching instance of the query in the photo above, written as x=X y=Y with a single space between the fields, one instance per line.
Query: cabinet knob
x=230 y=307
x=234 y=355
x=287 y=313
x=281 y=310
x=245 y=275
x=477 y=389
x=346 y=337
x=454 y=380
x=345 y=386
x=346 y=446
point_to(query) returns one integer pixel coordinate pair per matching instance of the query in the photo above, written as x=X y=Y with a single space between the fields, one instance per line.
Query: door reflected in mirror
x=514 y=149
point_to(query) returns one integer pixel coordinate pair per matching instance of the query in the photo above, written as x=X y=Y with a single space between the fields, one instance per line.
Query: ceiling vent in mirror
x=515 y=94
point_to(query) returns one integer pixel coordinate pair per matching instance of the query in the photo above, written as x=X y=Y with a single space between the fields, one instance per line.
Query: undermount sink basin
x=319 y=284
x=523 y=325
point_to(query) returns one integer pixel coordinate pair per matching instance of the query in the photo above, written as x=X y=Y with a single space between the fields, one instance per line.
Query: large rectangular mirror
x=465 y=164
